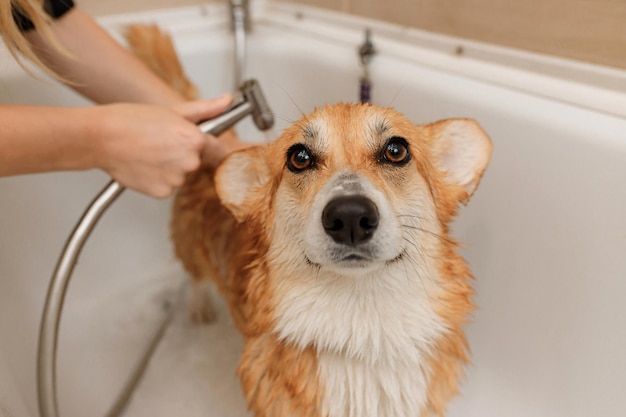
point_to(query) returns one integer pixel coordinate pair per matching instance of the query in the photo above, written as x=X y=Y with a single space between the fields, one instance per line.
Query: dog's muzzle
x=350 y=220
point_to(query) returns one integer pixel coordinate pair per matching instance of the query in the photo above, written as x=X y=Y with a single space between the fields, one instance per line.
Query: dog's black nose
x=350 y=220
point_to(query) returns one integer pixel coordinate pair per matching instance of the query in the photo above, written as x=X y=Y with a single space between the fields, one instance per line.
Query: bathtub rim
x=585 y=85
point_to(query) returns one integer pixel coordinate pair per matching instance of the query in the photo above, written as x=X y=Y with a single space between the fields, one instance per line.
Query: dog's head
x=344 y=223
x=352 y=188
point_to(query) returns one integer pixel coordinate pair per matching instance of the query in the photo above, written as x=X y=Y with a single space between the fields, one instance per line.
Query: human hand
x=215 y=149
x=151 y=148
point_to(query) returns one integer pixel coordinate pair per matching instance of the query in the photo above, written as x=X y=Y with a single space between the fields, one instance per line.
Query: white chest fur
x=372 y=335
x=354 y=388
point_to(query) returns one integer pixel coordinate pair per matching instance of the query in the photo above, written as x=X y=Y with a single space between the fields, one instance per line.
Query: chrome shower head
x=251 y=100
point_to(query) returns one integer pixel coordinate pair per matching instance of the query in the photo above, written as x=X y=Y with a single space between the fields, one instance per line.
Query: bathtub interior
x=545 y=236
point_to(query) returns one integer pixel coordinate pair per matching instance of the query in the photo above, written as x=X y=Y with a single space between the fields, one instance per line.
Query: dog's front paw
x=201 y=308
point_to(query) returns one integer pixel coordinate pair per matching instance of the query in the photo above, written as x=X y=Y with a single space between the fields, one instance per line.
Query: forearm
x=147 y=148
x=102 y=70
x=37 y=139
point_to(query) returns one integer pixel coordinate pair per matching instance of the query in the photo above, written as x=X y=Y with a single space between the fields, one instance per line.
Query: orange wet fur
x=229 y=233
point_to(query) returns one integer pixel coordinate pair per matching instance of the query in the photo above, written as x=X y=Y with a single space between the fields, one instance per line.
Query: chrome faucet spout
x=240 y=14
x=240 y=26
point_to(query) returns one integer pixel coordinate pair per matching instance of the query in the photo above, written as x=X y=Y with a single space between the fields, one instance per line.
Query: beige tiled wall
x=103 y=7
x=338 y=5
x=587 y=30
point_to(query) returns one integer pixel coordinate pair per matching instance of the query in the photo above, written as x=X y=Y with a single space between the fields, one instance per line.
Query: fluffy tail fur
x=156 y=49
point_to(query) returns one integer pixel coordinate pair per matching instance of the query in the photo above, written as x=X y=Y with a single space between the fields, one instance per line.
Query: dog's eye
x=397 y=151
x=299 y=158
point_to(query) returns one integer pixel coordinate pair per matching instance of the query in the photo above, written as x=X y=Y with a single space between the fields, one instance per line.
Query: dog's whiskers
x=306 y=258
x=429 y=232
x=395 y=96
x=423 y=254
x=285 y=118
x=290 y=98
x=419 y=275
x=414 y=216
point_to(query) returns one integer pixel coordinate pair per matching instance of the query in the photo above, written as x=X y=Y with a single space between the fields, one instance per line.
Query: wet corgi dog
x=331 y=248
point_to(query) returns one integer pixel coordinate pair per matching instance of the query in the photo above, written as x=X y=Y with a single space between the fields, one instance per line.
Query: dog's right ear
x=239 y=178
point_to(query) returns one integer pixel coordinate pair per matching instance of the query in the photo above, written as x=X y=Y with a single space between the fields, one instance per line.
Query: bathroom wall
x=587 y=30
x=104 y=7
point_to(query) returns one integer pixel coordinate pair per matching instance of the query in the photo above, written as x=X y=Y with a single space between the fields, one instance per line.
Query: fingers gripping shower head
x=250 y=100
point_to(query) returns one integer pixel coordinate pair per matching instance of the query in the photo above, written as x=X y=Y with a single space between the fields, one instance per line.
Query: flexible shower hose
x=244 y=104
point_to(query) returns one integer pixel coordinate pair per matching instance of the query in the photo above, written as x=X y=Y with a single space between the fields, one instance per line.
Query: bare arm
x=148 y=147
x=101 y=69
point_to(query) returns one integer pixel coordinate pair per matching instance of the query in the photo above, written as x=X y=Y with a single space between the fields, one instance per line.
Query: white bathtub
x=545 y=233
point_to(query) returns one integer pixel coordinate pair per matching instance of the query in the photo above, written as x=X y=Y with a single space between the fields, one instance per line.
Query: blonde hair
x=14 y=37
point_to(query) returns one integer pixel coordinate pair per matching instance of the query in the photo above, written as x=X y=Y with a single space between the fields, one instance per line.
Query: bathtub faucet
x=240 y=26
x=366 y=53
x=239 y=14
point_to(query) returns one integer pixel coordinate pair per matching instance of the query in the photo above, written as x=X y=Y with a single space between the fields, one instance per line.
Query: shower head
x=261 y=113
x=250 y=100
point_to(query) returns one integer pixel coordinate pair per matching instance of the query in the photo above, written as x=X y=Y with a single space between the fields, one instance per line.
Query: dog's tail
x=156 y=49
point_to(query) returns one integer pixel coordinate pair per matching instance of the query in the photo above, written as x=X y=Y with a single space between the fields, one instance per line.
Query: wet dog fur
x=331 y=247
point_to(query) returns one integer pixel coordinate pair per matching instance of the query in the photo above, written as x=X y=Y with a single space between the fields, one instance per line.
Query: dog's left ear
x=239 y=178
x=462 y=150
